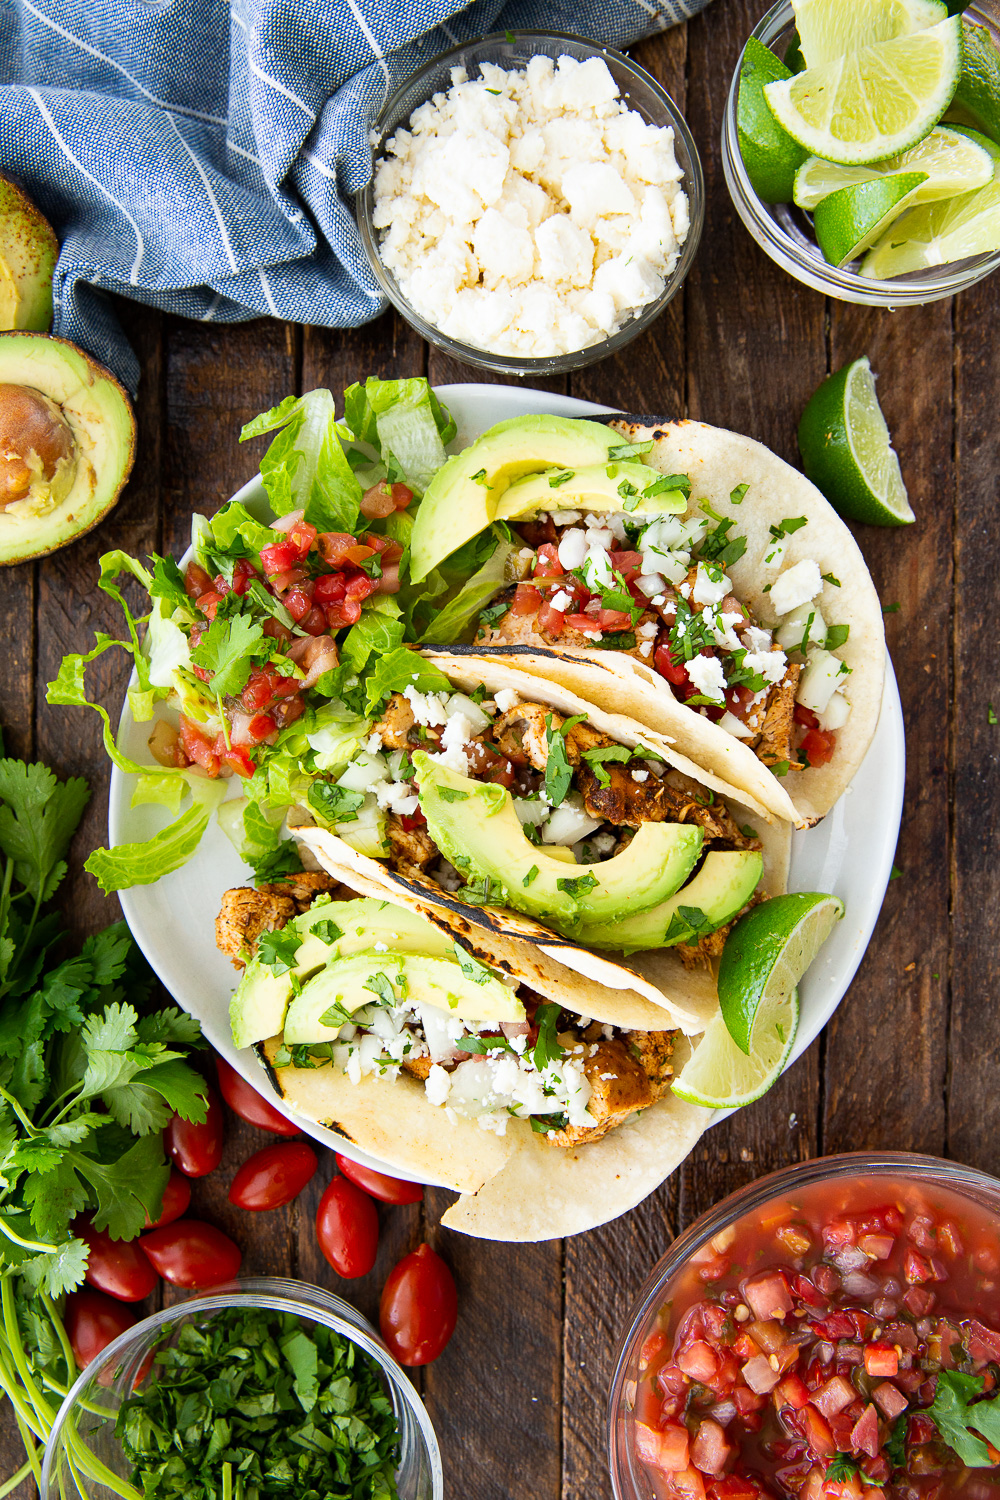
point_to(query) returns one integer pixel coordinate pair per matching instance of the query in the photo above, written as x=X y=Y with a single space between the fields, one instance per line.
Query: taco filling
x=372 y=990
x=658 y=590
x=509 y=803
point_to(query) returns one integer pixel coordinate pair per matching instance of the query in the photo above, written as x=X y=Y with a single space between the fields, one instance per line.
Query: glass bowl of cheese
x=535 y=202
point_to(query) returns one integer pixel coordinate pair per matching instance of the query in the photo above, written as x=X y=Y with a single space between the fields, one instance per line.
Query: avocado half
x=67 y=444
x=28 y=253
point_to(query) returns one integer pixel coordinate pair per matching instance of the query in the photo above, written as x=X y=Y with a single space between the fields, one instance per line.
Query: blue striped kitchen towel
x=200 y=156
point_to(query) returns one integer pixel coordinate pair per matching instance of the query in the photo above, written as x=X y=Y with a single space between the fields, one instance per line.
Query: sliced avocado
x=475 y=826
x=333 y=995
x=67 y=442
x=257 y=1009
x=462 y=497
x=721 y=888
x=28 y=254
x=595 y=487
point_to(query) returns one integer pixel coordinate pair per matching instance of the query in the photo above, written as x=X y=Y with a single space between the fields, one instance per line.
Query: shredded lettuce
x=234 y=520
x=305 y=468
x=404 y=422
x=378 y=631
x=141 y=864
x=166 y=646
x=335 y=736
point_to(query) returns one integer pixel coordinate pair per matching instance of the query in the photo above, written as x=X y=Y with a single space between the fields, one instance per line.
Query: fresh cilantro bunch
x=89 y=1075
x=256 y=1403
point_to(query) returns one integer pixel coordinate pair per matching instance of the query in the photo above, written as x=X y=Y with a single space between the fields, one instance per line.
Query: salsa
x=841 y=1344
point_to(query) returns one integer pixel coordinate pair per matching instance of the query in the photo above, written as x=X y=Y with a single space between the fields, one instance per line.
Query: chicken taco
x=461 y=1063
x=684 y=576
x=504 y=804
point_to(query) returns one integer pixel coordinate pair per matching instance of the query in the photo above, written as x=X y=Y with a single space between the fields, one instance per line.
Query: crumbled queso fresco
x=530 y=212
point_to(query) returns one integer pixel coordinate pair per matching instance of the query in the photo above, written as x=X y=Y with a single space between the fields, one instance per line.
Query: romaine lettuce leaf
x=379 y=631
x=141 y=864
x=234 y=520
x=404 y=421
x=452 y=621
x=305 y=467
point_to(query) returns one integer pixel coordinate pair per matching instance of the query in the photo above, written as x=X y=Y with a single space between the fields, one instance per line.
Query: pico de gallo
x=658 y=590
x=840 y=1345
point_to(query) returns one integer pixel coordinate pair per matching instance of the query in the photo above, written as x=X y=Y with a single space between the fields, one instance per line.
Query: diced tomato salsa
x=799 y=1352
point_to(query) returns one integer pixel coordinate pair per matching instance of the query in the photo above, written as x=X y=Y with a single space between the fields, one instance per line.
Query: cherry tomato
x=244 y=1100
x=273 y=1176
x=419 y=1307
x=92 y=1322
x=377 y=1184
x=117 y=1267
x=176 y=1197
x=191 y=1254
x=347 y=1228
x=194 y=1149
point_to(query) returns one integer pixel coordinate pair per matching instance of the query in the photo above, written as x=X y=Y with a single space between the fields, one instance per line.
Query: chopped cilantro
x=483 y=891
x=335 y=804
x=891 y=609
x=577 y=886
x=719 y=546
x=277 y=950
x=381 y=985
x=452 y=794
x=787 y=526
x=780 y=768
x=841 y=1469
x=493 y=91
x=829 y=578
x=836 y=635
x=991 y=717
x=337 y=1015
x=955 y=1413
x=491 y=615
x=617 y=640
x=480 y=478
x=562 y=477
x=736 y=495
x=244 y=1404
x=697 y=699
x=472 y=968
x=547 y=1049
x=228 y=650
x=689 y=633
x=895 y=873
x=747 y=831
x=601 y=753
x=479 y=1045
x=686 y=922
x=545 y=1124
x=895 y=1444
x=668 y=482
x=371 y=565
x=558 y=771
x=630 y=450
x=531 y=875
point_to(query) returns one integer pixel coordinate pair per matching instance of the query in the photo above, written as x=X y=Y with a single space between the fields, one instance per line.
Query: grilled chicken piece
x=523 y=630
x=418 y=1066
x=779 y=722
x=411 y=849
x=625 y=1075
x=246 y=913
x=520 y=733
x=397 y=722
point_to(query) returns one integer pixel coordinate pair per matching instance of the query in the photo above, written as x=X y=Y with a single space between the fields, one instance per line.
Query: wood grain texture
x=973 y=1107
x=893 y=1023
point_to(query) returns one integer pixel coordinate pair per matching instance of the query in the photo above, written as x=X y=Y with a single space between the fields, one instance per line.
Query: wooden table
x=909 y=1060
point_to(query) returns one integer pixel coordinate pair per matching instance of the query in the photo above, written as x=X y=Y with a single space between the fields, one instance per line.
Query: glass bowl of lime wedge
x=863 y=191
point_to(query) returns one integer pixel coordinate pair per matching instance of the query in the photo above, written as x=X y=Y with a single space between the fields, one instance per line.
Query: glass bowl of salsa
x=831 y=1332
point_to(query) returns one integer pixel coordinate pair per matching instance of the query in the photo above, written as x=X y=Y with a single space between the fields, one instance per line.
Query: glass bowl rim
x=737 y=1205
x=279 y=1294
x=693 y=184
x=930 y=285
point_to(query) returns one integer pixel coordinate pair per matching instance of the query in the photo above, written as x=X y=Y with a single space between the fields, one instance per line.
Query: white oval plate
x=849 y=853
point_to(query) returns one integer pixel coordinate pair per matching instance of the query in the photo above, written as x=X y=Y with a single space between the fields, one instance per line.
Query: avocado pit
x=38 y=449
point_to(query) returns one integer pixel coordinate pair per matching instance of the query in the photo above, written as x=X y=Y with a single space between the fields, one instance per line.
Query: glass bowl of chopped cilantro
x=535 y=201
x=263 y=1388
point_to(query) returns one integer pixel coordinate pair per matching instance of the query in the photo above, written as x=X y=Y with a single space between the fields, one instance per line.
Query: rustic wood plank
x=71 y=609
x=901 y=1034
x=387 y=347
x=973 y=1110
x=17 y=688
x=495 y=1394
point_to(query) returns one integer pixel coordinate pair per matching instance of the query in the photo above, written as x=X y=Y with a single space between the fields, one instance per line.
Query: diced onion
x=819 y=681
x=836 y=713
x=285 y=523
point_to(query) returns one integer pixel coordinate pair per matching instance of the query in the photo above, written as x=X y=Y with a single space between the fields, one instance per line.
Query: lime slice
x=847 y=452
x=769 y=153
x=829 y=29
x=936 y=233
x=977 y=97
x=874 y=102
x=765 y=956
x=720 y=1076
x=852 y=218
x=953 y=161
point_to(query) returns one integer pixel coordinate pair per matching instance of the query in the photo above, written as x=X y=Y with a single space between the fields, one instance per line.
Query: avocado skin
x=28 y=251
x=100 y=414
x=457 y=507
x=721 y=888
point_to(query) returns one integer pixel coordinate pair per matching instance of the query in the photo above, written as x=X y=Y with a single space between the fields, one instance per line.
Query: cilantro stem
x=61 y=1334
x=29 y=1447
x=22 y=1410
x=29 y=1127
x=227 y=1482
x=43 y=1409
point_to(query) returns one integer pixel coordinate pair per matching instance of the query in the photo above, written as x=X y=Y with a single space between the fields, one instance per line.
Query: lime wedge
x=852 y=218
x=769 y=153
x=936 y=233
x=875 y=102
x=847 y=452
x=765 y=956
x=720 y=1076
x=829 y=29
x=953 y=161
x=794 y=61
x=977 y=97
